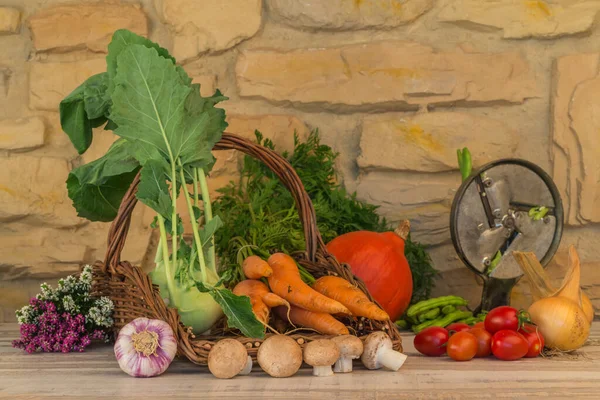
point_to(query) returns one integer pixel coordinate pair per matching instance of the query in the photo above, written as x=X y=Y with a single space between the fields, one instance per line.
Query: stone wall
x=394 y=85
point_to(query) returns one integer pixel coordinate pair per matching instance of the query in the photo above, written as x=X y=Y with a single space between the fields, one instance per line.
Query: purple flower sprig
x=55 y=332
x=64 y=319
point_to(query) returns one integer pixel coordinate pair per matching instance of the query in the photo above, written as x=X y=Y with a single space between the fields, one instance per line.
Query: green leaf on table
x=237 y=309
x=98 y=187
x=153 y=190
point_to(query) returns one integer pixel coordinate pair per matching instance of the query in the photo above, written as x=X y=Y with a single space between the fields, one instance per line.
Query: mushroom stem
x=324 y=370
x=343 y=364
x=248 y=368
x=390 y=359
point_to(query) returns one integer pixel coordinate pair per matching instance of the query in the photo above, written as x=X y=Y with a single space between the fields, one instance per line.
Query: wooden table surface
x=96 y=375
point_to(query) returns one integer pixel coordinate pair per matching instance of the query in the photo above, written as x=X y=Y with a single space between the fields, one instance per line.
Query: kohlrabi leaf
x=209 y=230
x=169 y=225
x=110 y=126
x=154 y=108
x=83 y=109
x=210 y=120
x=197 y=212
x=97 y=188
x=153 y=190
x=95 y=96
x=237 y=309
x=74 y=120
x=123 y=38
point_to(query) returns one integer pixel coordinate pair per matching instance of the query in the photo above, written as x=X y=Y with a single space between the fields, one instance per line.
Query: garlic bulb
x=145 y=347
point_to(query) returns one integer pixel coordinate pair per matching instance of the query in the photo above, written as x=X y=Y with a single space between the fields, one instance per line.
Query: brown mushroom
x=321 y=354
x=280 y=356
x=378 y=352
x=350 y=348
x=229 y=358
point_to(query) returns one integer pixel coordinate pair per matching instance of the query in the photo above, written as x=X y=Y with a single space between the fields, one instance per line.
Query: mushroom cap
x=321 y=352
x=280 y=356
x=349 y=345
x=373 y=343
x=227 y=358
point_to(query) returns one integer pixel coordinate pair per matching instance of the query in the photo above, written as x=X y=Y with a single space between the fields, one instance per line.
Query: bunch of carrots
x=292 y=299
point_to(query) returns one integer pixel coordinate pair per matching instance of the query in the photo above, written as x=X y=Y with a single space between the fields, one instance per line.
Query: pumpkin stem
x=403 y=229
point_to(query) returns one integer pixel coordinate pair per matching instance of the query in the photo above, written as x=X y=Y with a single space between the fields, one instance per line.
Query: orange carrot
x=272 y=300
x=254 y=290
x=358 y=303
x=255 y=268
x=321 y=322
x=260 y=298
x=286 y=282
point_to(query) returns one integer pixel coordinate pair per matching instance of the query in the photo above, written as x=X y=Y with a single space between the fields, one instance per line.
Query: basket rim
x=143 y=295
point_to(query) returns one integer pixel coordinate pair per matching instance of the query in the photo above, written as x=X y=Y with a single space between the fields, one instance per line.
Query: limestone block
x=348 y=15
x=383 y=74
x=91 y=26
x=22 y=133
x=523 y=18
x=207 y=25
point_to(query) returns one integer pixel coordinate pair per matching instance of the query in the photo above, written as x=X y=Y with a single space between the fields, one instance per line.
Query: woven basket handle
x=279 y=165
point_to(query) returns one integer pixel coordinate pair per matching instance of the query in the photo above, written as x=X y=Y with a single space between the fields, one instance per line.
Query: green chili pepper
x=429 y=315
x=443 y=321
x=411 y=320
x=427 y=305
x=464 y=162
x=401 y=323
x=448 y=309
x=481 y=316
x=469 y=321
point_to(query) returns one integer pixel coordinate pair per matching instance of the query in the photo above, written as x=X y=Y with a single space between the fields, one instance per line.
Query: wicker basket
x=134 y=296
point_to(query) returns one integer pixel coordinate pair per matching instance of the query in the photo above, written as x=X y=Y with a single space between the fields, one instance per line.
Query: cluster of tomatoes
x=505 y=333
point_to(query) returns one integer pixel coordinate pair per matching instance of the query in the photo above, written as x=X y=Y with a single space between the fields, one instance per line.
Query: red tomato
x=509 y=345
x=480 y=325
x=432 y=341
x=484 y=341
x=457 y=327
x=503 y=317
x=534 y=338
x=462 y=346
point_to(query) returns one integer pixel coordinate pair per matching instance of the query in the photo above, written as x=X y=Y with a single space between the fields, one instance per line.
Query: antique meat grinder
x=504 y=206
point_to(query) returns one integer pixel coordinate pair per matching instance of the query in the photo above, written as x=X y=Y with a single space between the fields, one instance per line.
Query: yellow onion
x=540 y=285
x=560 y=316
x=588 y=308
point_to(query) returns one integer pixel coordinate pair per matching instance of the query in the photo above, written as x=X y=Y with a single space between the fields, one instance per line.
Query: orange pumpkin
x=378 y=259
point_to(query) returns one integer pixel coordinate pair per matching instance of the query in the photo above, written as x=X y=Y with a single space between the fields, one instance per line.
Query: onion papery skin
x=136 y=363
x=561 y=321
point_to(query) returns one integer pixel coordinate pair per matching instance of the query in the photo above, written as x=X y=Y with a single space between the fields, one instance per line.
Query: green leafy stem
x=464 y=162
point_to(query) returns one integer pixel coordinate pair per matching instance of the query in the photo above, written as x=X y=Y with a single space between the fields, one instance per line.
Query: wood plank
x=96 y=375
